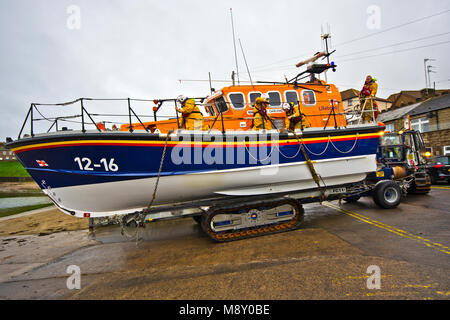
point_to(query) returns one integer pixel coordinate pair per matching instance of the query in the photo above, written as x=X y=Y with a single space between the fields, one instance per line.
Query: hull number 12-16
x=86 y=164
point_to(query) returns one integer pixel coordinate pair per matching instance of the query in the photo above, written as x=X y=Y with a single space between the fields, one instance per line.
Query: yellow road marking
x=433 y=187
x=392 y=229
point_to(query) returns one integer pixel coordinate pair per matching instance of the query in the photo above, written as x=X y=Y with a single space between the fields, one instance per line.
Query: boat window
x=237 y=100
x=211 y=109
x=308 y=97
x=221 y=104
x=291 y=96
x=252 y=96
x=275 y=99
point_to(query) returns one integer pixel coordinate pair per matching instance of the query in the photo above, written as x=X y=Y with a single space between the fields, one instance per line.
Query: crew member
x=192 y=118
x=261 y=120
x=368 y=105
x=294 y=119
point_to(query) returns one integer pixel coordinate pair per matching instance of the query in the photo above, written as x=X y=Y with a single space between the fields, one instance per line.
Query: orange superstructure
x=316 y=100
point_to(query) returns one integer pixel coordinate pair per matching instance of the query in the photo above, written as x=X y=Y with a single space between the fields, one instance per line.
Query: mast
x=234 y=44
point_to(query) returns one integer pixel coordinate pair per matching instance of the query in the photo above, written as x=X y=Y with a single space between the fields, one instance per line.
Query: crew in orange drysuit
x=192 y=118
x=260 y=118
x=294 y=119
x=367 y=99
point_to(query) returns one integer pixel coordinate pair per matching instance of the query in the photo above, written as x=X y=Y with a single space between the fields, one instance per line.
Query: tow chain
x=139 y=217
x=159 y=171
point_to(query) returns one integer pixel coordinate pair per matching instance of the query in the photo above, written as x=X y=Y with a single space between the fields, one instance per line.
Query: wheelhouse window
x=252 y=96
x=291 y=96
x=210 y=109
x=275 y=99
x=221 y=105
x=237 y=100
x=421 y=124
x=308 y=97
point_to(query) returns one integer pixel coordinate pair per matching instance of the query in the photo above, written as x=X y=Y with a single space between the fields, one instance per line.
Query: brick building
x=409 y=97
x=431 y=117
x=350 y=99
x=6 y=155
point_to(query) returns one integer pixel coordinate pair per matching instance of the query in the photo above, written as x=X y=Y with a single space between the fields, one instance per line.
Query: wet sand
x=42 y=223
x=19 y=188
x=46 y=222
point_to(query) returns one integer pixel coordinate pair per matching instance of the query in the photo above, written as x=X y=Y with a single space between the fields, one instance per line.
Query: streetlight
x=426 y=72
x=431 y=71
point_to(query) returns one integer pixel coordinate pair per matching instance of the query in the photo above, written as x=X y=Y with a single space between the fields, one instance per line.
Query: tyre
x=433 y=179
x=387 y=194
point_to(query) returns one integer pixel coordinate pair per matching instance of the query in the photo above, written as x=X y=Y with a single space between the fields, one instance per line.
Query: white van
x=446 y=150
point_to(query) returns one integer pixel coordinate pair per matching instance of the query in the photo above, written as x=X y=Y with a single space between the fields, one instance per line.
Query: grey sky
x=141 y=49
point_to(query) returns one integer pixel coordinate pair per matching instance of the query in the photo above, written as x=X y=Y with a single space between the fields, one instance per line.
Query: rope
x=140 y=217
x=351 y=149
x=270 y=154
x=159 y=171
x=316 y=177
x=316 y=154
x=298 y=151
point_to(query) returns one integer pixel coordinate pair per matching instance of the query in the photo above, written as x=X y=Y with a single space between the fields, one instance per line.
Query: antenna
x=325 y=37
x=210 y=84
x=245 y=60
x=234 y=44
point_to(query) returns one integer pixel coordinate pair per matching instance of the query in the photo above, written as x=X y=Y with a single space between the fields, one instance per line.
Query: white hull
x=134 y=195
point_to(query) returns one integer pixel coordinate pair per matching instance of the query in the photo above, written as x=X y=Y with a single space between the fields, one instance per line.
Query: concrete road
x=328 y=258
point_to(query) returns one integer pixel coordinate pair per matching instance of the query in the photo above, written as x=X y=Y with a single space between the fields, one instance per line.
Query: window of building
x=421 y=124
x=252 y=96
x=390 y=127
x=275 y=99
x=350 y=102
x=237 y=100
x=308 y=97
x=291 y=96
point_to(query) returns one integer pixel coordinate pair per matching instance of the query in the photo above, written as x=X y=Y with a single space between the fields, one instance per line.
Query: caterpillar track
x=242 y=222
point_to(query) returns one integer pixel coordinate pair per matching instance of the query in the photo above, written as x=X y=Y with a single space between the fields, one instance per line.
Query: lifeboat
x=158 y=165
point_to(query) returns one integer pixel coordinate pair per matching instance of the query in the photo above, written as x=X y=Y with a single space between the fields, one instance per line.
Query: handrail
x=334 y=114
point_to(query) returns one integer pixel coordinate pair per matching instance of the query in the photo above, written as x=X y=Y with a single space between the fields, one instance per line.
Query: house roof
x=433 y=104
x=397 y=113
x=349 y=94
x=353 y=93
x=411 y=95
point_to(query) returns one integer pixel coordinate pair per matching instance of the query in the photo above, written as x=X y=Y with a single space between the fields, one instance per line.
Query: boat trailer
x=225 y=219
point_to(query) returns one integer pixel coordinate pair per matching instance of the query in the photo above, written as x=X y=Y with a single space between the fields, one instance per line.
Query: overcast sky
x=141 y=49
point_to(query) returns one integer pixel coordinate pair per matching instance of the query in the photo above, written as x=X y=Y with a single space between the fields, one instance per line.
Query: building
x=409 y=97
x=431 y=117
x=5 y=154
x=350 y=99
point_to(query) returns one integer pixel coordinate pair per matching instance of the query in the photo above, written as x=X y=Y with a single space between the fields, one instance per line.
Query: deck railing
x=334 y=118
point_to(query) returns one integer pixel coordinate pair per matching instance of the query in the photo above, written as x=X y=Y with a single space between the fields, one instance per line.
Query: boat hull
x=105 y=174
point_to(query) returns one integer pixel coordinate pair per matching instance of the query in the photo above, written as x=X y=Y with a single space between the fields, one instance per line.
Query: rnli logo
x=42 y=163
